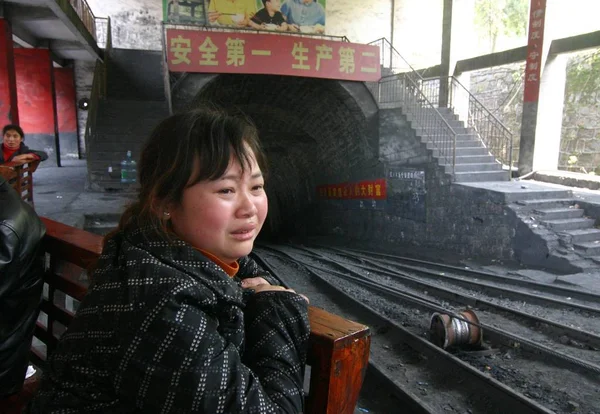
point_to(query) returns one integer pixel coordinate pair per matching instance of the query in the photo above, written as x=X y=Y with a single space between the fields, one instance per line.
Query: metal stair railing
x=403 y=86
x=98 y=91
x=495 y=136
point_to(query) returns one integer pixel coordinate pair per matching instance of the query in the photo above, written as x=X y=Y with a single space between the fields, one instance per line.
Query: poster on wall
x=184 y=12
x=364 y=195
x=203 y=51
x=407 y=192
x=299 y=16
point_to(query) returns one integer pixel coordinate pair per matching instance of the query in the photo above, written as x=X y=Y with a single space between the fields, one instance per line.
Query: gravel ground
x=558 y=389
x=442 y=392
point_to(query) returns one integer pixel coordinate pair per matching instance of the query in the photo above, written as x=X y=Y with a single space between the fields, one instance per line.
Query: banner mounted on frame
x=279 y=15
x=251 y=53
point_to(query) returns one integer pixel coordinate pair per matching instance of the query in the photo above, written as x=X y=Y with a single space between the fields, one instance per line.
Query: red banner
x=535 y=48
x=212 y=52
x=361 y=190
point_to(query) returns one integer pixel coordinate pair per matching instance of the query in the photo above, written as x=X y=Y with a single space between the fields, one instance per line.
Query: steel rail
x=503 y=291
x=511 y=399
x=542 y=287
x=589 y=338
x=501 y=336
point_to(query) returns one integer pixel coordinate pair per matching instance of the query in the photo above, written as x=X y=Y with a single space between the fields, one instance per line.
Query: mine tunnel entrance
x=313 y=131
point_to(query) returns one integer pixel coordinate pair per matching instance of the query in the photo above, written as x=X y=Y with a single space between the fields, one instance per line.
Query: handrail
x=495 y=136
x=86 y=15
x=99 y=90
x=383 y=42
x=19 y=175
x=226 y=29
x=492 y=132
x=422 y=113
x=454 y=79
x=416 y=104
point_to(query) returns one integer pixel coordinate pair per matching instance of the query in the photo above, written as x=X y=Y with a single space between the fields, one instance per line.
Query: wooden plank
x=338 y=355
x=71 y=244
x=59 y=315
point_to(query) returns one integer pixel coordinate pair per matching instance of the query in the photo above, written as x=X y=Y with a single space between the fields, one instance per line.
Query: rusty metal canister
x=446 y=330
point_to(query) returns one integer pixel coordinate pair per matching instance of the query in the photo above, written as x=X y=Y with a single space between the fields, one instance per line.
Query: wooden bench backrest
x=20 y=176
x=338 y=351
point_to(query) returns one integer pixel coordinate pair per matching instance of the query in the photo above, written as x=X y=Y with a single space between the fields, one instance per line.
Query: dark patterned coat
x=23 y=149
x=164 y=329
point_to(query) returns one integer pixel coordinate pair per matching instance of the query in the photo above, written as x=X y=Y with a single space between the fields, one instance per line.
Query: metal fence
x=403 y=87
x=493 y=133
x=225 y=29
x=86 y=15
x=420 y=99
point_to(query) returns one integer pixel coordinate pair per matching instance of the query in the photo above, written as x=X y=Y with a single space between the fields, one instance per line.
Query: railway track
x=401 y=304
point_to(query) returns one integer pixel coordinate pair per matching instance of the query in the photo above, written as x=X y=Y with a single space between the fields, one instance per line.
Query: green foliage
x=493 y=17
x=515 y=17
x=583 y=78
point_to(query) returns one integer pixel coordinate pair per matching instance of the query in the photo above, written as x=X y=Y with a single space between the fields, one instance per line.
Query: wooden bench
x=20 y=176
x=338 y=349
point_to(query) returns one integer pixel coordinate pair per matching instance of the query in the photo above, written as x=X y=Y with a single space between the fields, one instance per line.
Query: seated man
x=269 y=17
x=13 y=148
x=304 y=13
x=21 y=283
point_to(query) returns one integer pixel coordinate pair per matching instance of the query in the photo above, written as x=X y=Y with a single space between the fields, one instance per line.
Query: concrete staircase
x=569 y=233
x=134 y=105
x=474 y=162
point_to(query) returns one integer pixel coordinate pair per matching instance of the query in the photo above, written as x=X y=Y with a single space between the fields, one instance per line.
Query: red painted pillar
x=36 y=98
x=9 y=111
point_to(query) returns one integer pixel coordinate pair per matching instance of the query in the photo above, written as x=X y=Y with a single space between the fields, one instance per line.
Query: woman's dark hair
x=14 y=128
x=203 y=138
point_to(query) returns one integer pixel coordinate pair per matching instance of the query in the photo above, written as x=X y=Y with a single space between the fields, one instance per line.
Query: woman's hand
x=258 y=284
x=254 y=281
x=25 y=158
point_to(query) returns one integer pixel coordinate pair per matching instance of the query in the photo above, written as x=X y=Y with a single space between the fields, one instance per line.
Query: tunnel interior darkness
x=313 y=132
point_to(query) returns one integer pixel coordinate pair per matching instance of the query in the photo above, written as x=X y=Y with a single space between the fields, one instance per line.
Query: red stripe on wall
x=34 y=90
x=65 y=99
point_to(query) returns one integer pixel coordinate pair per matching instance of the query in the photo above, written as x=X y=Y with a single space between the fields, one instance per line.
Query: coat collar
x=183 y=257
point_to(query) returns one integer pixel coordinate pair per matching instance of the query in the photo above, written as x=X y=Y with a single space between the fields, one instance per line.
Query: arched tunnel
x=314 y=131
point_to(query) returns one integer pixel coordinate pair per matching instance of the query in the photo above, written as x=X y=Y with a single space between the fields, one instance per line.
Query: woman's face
x=12 y=139
x=224 y=216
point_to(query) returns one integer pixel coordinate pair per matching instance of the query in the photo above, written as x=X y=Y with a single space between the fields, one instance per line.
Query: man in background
x=304 y=13
x=21 y=284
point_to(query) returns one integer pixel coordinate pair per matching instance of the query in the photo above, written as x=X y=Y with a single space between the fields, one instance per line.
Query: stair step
x=583 y=236
x=559 y=213
x=488 y=166
x=546 y=202
x=441 y=129
x=569 y=224
x=592 y=248
x=460 y=144
x=463 y=152
x=469 y=159
x=479 y=176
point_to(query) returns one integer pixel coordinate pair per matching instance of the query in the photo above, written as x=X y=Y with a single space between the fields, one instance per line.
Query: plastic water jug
x=128 y=170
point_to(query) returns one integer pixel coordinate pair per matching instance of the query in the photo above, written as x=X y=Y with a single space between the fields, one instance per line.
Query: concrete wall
x=136 y=24
x=84 y=77
x=422 y=208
